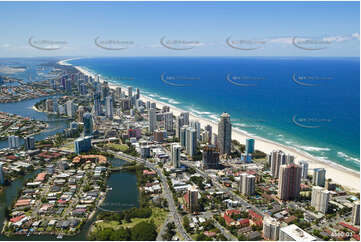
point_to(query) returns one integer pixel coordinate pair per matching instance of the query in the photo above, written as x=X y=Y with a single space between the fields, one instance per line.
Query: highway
x=168 y=194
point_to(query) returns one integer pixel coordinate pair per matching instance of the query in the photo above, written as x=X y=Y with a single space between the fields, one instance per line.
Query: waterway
x=123 y=195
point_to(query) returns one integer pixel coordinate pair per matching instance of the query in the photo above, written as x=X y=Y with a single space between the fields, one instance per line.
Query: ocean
x=311 y=104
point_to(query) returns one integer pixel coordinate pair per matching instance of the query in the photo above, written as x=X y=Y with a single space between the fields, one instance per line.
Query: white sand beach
x=348 y=178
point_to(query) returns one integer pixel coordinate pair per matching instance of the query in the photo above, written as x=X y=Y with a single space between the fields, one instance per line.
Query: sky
x=327 y=29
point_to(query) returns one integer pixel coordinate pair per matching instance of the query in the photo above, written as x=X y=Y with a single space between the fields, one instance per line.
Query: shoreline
x=334 y=171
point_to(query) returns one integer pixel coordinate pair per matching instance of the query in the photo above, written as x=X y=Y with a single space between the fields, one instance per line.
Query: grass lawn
x=118 y=147
x=158 y=215
x=68 y=146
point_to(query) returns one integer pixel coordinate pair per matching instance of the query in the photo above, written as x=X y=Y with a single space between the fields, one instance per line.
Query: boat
x=109 y=188
x=60 y=236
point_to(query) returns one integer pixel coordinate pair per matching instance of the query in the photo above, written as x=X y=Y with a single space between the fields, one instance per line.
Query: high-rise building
x=185 y=117
x=249 y=146
x=13 y=141
x=158 y=135
x=183 y=136
x=197 y=126
x=152 y=116
x=70 y=108
x=289 y=182
x=191 y=141
x=82 y=144
x=304 y=166
x=176 y=151
x=356 y=213
x=191 y=199
x=97 y=105
x=319 y=177
x=83 y=89
x=49 y=105
x=118 y=91
x=137 y=95
x=88 y=124
x=130 y=91
x=224 y=134
x=294 y=233
x=178 y=126
x=29 y=143
x=109 y=107
x=2 y=176
x=214 y=140
x=168 y=121
x=210 y=157
x=271 y=228
x=320 y=198
x=247 y=184
x=276 y=159
x=208 y=128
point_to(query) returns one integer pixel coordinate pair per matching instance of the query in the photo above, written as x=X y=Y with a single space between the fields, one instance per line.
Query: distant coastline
x=335 y=171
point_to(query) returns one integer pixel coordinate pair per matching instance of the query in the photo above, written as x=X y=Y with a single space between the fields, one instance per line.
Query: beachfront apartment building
x=319 y=177
x=289 y=183
x=320 y=198
x=224 y=139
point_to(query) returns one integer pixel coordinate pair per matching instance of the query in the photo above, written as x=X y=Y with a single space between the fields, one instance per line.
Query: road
x=168 y=194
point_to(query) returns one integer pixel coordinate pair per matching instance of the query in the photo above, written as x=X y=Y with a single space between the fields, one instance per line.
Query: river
x=124 y=193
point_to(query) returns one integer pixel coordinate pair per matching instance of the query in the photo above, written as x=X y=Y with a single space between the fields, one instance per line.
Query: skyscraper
x=247 y=184
x=182 y=135
x=197 y=126
x=289 y=182
x=29 y=143
x=277 y=158
x=319 y=177
x=88 y=124
x=208 y=128
x=191 y=199
x=271 y=228
x=320 y=198
x=178 y=126
x=176 y=150
x=249 y=146
x=210 y=157
x=224 y=134
x=109 y=107
x=137 y=95
x=130 y=91
x=168 y=121
x=82 y=144
x=70 y=108
x=97 y=106
x=356 y=213
x=185 y=117
x=191 y=141
x=304 y=165
x=13 y=142
x=152 y=116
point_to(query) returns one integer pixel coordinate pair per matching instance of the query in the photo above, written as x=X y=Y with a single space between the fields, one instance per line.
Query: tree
x=143 y=231
x=186 y=223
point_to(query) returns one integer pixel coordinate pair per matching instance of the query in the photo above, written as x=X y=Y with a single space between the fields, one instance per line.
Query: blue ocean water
x=311 y=104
